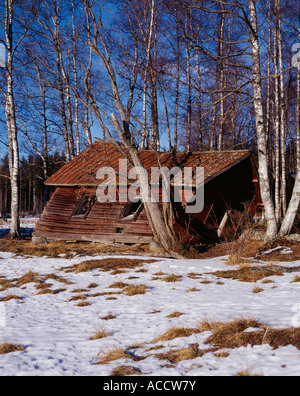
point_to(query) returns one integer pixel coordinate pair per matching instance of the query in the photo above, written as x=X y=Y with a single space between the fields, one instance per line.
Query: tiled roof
x=82 y=170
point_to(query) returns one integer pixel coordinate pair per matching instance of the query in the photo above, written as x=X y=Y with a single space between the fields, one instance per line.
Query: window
x=132 y=210
x=84 y=206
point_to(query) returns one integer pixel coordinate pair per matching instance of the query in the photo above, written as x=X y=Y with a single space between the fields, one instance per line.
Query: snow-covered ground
x=56 y=331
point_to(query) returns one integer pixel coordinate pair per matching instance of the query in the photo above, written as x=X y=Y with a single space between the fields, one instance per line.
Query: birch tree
x=13 y=45
x=121 y=120
x=271 y=232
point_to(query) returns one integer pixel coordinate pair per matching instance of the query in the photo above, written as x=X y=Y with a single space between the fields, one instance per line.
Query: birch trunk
x=10 y=113
x=293 y=206
x=277 y=119
x=75 y=80
x=177 y=84
x=60 y=82
x=222 y=80
x=282 y=117
x=298 y=107
x=271 y=232
x=148 y=42
x=160 y=229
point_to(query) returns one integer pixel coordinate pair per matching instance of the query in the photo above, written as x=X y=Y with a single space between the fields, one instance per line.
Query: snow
x=27 y=226
x=56 y=332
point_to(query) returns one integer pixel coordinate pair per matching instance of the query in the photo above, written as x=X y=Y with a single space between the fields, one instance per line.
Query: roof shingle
x=82 y=170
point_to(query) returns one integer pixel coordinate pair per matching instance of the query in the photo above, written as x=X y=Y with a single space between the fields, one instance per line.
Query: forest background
x=174 y=74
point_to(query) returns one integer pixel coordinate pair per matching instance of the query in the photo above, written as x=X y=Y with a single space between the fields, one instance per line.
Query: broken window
x=84 y=206
x=132 y=210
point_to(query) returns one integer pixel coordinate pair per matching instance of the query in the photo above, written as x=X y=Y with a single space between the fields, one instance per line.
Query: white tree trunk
x=10 y=113
x=260 y=128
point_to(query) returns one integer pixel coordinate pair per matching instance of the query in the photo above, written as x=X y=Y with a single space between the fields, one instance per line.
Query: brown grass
x=175 y=314
x=172 y=278
x=118 y=285
x=257 y=290
x=224 y=335
x=232 y=335
x=133 y=290
x=188 y=353
x=56 y=248
x=175 y=332
x=6 y=284
x=247 y=373
x=108 y=264
x=117 y=354
x=193 y=275
x=109 y=316
x=248 y=274
x=11 y=297
x=92 y=285
x=46 y=291
x=193 y=289
x=296 y=279
x=101 y=333
x=57 y=278
x=83 y=303
x=29 y=277
x=122 y=371
x=7 y=347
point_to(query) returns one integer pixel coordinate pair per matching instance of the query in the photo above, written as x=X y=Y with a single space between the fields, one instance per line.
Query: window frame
x=126 y=215
x=84 y=197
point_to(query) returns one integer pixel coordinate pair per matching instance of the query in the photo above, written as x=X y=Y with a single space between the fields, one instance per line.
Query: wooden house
x=74 y=213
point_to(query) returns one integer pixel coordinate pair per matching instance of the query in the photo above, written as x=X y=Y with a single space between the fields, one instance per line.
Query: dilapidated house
x=74 y=213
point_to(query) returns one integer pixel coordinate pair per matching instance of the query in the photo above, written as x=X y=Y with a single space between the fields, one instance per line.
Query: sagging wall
x=102 y=224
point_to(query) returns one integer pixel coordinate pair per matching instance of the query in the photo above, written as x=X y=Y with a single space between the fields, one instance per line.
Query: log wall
x=102 y=224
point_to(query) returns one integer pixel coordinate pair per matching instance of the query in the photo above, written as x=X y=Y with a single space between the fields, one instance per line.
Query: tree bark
x=122 y=126
x=271 y=232
x=10 y=112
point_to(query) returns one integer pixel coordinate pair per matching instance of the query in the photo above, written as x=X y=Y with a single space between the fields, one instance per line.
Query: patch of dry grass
x=7 y=347
x=296 y=279
x=232 y=335
x=257 y=290
x=55 y=249
x=118 y=285
x=175 y=314
x=193 y=275
x=117 y=354
x=107 y=264
x=223 y=336
x=248 y=273
x=188 y=353
x=133 y=290
x=10 y=297
x=92 y=285
x=6 y=284
x=122 y=371
x=172 y=278
x=101 y=333
x=192 y=289
x=109 y=316
x=29 y=277
x=83 y=302
x=57 y=278
x=46 y=291
x=33 y=277
x=175 y=332
x=247 y=373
